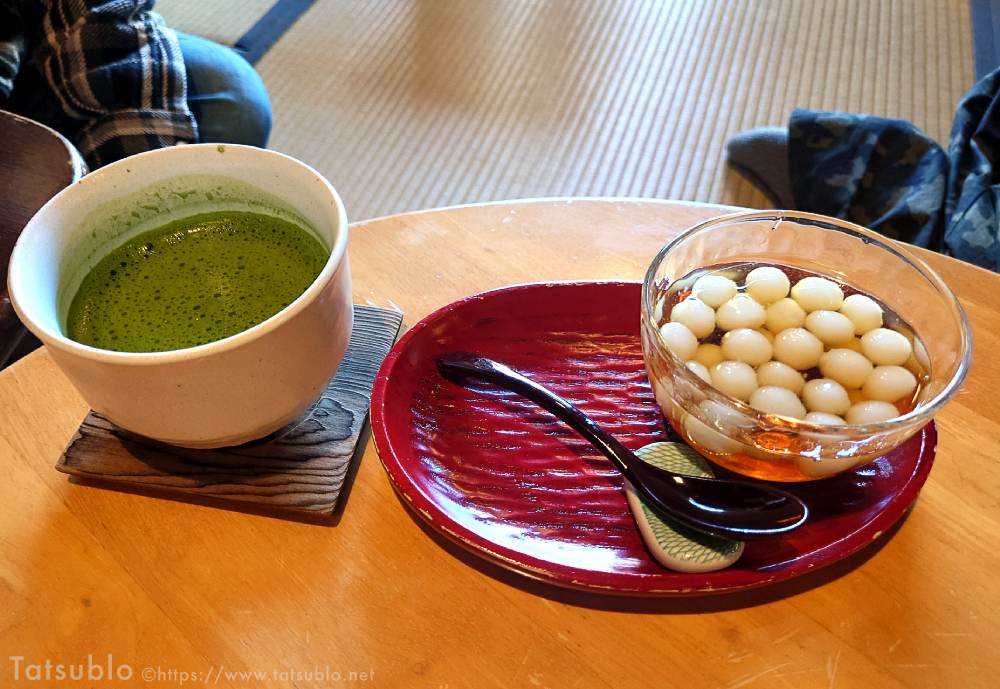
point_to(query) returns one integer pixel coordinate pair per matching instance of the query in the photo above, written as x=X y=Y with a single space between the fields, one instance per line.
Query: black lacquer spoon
x=732 y=509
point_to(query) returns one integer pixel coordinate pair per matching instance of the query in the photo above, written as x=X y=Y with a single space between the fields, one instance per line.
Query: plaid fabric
x=107 y=73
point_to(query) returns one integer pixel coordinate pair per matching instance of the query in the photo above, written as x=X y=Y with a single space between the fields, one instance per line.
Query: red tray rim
x=605 y=582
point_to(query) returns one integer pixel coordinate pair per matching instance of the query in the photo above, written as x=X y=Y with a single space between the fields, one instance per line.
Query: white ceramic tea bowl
x=222 y=393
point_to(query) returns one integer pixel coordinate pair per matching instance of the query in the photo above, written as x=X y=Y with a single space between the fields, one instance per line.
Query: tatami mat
x=223 y=21
x=408 y=104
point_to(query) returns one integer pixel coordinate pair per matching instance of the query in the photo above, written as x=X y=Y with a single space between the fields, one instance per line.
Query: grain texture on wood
x=301 y=468
x=176 y=584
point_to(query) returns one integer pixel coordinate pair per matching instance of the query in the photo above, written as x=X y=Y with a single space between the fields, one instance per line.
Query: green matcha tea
x=195 y=280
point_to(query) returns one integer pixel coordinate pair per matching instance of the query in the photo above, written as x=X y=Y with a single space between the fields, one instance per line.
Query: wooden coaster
x=301 y=468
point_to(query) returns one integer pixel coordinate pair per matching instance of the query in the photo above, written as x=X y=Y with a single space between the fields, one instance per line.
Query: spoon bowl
x=732 y=509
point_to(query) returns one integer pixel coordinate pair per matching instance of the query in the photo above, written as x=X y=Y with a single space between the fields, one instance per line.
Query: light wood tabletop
x=168 y=588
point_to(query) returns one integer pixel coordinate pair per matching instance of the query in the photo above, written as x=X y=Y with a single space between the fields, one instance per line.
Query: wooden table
x=188 y=588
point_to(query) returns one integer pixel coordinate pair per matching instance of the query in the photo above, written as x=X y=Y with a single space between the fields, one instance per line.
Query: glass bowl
x=738 y=437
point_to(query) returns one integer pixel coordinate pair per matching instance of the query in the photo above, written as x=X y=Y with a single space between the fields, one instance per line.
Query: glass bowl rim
x=920 y=413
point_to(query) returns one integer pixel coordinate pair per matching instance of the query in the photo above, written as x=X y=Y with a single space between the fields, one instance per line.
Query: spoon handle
x=457 y=366
x=732 y=509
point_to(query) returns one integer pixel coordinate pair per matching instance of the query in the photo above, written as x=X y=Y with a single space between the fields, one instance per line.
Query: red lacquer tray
x=506 y=480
